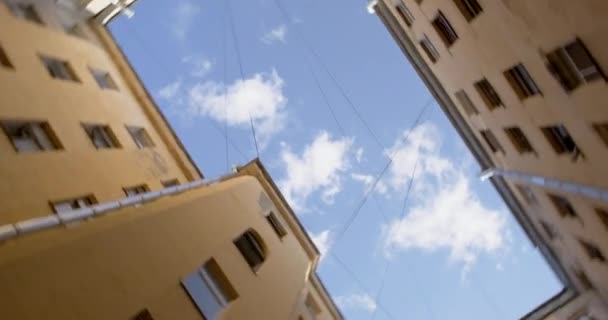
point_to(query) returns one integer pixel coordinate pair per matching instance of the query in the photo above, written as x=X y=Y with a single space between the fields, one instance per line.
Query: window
x=602 y=131
x=491 y=140
x=519 y=140
x=170 y=183
x=583 y=279
x=29 y=136
x=418 y=1
x=4 y=61
x=466 y=103
x=592 y=251
x=25 y=11
x=252 y=248
x=73 y=204
x=549 y=230
x=445 y=30
x=521 y=82
x=209 y=289
x=143 y=315
x=59 y=69
x=488 y=94
x=469 y=8
x=528 y=195
x=101 y=136
x=141 y=137
x=573 y=65
x=104 y=80
x=563 y=206
x=603 y=215
x=429 y=48
x=276 y=225
x=405 y=14
x=561 y=141
x=312 y=306
x=135 y=190
x=75 y=30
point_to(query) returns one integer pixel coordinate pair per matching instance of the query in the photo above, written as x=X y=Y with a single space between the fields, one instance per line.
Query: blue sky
x=454 y=253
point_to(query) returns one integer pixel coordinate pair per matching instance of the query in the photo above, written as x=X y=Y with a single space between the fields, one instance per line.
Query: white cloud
x=183 y=16
x=317 y=169
x=323 y=241
x=357 y=301
x=259 y=97
x=277 y=34
x=199 y=65
x=447 y=214
x=171 y=90
x=368 y=181
x=359 y=154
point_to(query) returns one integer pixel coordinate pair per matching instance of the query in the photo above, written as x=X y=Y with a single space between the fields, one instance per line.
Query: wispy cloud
x=259 y=97
x=360 y=301
x=182 y=18
x=359 y=154
x=368 y=181
x=446 y=213
x=277 y=34
x=171 y=90
x=317 y=169
x=323 y=240
x=199 y=65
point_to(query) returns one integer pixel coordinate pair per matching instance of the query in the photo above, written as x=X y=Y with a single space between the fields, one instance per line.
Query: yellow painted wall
x=113 y=266
x=28 y=181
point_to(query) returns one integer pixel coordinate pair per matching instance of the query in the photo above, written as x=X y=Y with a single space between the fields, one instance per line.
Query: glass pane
x=202 y=296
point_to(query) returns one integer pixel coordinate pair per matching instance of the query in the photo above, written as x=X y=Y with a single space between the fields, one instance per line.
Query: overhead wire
x=161 y=65
x=353 y=216
x=326 y=69
x=360 y=283
x=240 y=64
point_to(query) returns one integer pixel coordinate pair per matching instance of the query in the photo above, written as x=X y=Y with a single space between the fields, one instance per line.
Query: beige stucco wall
x=113 y=266
x=509 y=32
x=30 y=180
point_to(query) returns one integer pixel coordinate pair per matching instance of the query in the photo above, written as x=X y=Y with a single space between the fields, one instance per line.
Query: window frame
x=428 y=48
x=5 y=61
x=563 y=66
x=58 y=68
x=25 y=11
x=136 y=190
x=560 y=140
x=522 y=82
x=491 y=141
x=215 y=284
x=405 y=14
x=563 y=206
x=444 y=28
x=251 y=240
x=601 y=129
x=470 y=9
x=83 y=201
x=488 y=94
x=168 y=183
x=103 y=79
x=135 y=132
x=275 y=223
x=519 y=140
x=466 y=103
x=107 y=134
x=593 y=251
x=37 y=128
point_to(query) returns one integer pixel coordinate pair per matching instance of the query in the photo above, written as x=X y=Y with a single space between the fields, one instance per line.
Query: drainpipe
x=569 y=187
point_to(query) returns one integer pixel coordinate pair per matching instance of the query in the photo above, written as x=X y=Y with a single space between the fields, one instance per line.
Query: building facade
x=78 y=127
x=524 y=83
x=104 y=214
